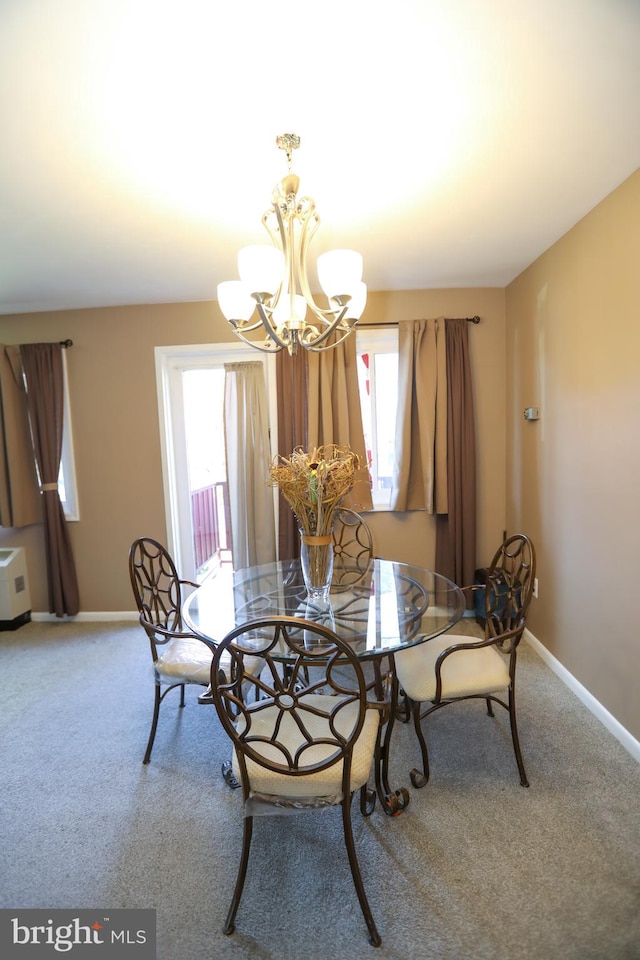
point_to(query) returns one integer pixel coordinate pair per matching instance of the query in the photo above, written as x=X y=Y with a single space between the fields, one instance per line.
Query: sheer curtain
x=246 y=430
x=20 y=500
x=420 y=467
x=292 y=373
x=334 y=411
x=456 y=530
x=42 y=364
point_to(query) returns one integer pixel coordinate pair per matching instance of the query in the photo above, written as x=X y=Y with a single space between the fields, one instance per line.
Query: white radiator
x=15 y=601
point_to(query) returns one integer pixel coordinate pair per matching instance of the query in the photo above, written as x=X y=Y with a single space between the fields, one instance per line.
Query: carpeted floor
x=477 y=868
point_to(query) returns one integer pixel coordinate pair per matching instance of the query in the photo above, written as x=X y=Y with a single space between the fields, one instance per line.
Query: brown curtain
x=292 y=392
x=420 y=467
x=20 y=500
x=335 y=415
x=456 y=529
x=42 y=363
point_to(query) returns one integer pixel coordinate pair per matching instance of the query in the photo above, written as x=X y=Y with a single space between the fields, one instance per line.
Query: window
x=377 y=358
x=67 y=488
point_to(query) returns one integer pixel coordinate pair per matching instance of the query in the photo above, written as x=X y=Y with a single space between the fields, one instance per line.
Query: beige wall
x=117 y=442
x=573 y=478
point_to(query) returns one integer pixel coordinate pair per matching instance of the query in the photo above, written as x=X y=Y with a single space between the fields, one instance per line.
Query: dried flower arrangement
x=314 y=483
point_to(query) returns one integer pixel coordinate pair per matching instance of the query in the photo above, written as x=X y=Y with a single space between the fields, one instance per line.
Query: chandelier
x=274 y=290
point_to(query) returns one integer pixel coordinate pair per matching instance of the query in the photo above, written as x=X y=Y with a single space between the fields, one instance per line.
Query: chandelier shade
x=274 y=291
x=235 y=300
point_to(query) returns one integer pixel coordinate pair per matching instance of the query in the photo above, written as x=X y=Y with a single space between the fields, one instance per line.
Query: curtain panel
x=42 y=365
x=246 y=431
x=335 y=415
x=20 y=500
x=292 y=388
x=456 y=530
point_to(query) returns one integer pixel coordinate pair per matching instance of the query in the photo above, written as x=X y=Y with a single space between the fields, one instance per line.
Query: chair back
x=509 y=588
x=302 y=711
x=352 y=547
x=156 y=584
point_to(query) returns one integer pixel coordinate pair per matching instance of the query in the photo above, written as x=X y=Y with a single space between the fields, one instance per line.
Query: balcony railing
x=211 y=530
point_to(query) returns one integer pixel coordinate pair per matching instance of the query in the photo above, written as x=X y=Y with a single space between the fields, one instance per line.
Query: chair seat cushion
x=464 y=673
x=184 y=659
x=187 y=659
x=321 y=784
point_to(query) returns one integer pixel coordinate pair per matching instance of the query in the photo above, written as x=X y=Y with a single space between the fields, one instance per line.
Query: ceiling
x=450 y=141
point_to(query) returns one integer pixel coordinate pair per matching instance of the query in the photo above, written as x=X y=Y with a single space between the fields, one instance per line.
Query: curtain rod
x=475 y=319
x=66 y=343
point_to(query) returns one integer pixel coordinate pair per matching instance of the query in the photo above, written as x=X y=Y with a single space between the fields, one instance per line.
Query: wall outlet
x=535 y=587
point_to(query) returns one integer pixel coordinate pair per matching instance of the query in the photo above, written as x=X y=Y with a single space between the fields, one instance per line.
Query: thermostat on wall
x=531 y=413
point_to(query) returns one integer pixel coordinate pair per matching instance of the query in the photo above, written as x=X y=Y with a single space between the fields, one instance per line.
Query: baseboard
x=621 y=734
x=89 y=616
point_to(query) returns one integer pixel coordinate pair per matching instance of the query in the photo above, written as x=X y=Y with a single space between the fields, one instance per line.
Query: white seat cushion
x=185 y=658
x=326 y=783
x=465 y=672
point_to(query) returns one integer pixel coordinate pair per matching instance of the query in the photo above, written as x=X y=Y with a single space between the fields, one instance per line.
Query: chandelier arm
x=329 y=330
x=256 y=344
x=331 y=316
x=285 y=240
x=314 y=348
x=276 y=236
x=246 y=326
x=311 y=222
x=279 y=240
x=289 y=262
x=269 y=327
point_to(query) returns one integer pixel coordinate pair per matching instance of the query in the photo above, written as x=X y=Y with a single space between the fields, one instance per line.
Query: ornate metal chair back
x=155 y=583
x=352 y=547
x=509 y=588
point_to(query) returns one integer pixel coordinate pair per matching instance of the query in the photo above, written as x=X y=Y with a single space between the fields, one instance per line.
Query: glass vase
x=316 y=557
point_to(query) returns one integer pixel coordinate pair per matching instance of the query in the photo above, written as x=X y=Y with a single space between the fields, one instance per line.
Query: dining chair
x=179 y=657
x=452 y=667
x=352 y=547
x=303 y=738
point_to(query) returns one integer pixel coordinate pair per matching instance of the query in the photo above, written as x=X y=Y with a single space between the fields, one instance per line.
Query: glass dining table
x=381 y=609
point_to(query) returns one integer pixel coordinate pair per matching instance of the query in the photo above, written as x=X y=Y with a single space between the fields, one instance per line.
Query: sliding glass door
x=190 y=383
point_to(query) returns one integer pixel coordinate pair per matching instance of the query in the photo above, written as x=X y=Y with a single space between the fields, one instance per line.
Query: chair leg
x=229 y=776
x=420 y=778
x=516 y=739
x=403 y=710
x=230 y=925
x=374 y=936
x=367 y=800
x=154 y=725
x=182 y=694
x=489 y=707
